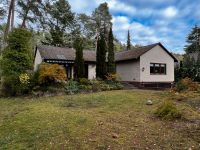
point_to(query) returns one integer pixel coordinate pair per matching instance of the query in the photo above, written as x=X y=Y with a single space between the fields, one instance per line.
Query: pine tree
x=197 y=66
x=193 y=40
x=79 y=66
x=101 y=57
x=191 y=67
x=102 y=18
x=99 y=21
x=128 y=41
x=57 y=19
x=29 y=10
x=111 y=54
x=10 y=19
x=2 y=10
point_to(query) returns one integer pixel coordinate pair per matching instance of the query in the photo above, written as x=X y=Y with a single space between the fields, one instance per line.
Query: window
x=156 y=68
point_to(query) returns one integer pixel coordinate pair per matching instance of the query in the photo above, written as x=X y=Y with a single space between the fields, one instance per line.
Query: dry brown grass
x=106 y=120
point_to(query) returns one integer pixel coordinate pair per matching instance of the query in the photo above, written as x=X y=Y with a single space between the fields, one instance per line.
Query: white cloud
x=160 y=31
x=170 y=12
x=147 y=23
x=120 y=19
x=120 y=23
x=79 y=6
x=116 y=6
x=141 y=34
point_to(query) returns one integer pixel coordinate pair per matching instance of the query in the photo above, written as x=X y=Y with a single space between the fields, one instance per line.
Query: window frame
x=160 y=64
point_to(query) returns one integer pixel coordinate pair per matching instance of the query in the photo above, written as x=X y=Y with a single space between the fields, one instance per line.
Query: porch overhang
x=59 y=61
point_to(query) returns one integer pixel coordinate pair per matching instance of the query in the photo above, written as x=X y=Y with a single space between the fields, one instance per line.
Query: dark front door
x=86 y=71
x=69 y=70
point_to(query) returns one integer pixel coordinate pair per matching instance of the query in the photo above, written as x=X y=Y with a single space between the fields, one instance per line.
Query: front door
x=69 y=71
x=86 y=71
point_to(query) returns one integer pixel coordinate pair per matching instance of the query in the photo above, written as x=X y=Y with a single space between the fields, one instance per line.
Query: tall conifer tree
x=193 y=40
x=101 y=57
x=79 y=61
x=111 y=54
x=128 y=41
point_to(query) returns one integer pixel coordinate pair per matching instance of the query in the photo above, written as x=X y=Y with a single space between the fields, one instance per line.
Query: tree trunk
x=23 y=25
x=9 y=19
x=13 y=15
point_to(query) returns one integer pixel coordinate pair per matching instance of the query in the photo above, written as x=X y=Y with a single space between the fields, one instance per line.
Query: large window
x=156 y=68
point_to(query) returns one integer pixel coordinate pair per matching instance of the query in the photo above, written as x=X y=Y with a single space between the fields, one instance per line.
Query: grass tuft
x=168 y=110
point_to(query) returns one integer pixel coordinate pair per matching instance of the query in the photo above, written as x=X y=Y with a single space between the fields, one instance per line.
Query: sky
x=149 y=21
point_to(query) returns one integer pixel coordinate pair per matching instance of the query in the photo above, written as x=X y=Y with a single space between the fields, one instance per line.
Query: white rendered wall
x=37 y=61
x=129 y=70
x=91 y=71
x=156 y=55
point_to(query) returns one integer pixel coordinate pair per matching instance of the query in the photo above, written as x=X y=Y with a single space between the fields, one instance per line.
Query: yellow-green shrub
x=24 y=78
x=51 y=73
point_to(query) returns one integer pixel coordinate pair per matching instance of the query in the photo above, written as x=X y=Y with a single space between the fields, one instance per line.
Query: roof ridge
x=138 y=48
x=50 y=46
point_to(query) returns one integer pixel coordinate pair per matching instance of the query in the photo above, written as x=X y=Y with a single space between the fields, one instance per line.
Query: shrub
x=111 y=77
x=105 y=87
x=181 y=87
x=84 y=81
x=186 y=84
x=16 y=59
x=96 y=85
x=168 y=110
x=100 y=85
x=116 y=85
x=24 y=79
x=51 y=74
x=34 y=79
x=71 y=87
x=10 y=86
x=85 y=88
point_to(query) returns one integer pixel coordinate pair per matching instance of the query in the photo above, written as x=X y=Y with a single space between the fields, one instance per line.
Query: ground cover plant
x=186 y=84
x=103 y=120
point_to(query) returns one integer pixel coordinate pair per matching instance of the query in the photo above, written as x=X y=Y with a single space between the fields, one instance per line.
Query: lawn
x=117 y=120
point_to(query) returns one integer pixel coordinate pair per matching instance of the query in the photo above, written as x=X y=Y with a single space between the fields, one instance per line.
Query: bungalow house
x=145 y=66
x=151 y=65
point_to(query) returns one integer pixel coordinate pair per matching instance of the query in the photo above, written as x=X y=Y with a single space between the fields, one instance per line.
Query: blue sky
x=149 y=21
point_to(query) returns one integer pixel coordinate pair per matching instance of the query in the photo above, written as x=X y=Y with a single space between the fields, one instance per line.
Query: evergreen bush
x=16 y=60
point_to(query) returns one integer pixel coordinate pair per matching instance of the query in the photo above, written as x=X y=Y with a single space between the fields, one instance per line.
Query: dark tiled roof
x=133 y=54
x=51 y=52
x=137 y=52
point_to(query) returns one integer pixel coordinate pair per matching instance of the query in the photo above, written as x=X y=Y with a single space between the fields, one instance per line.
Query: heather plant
x=186 y=84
